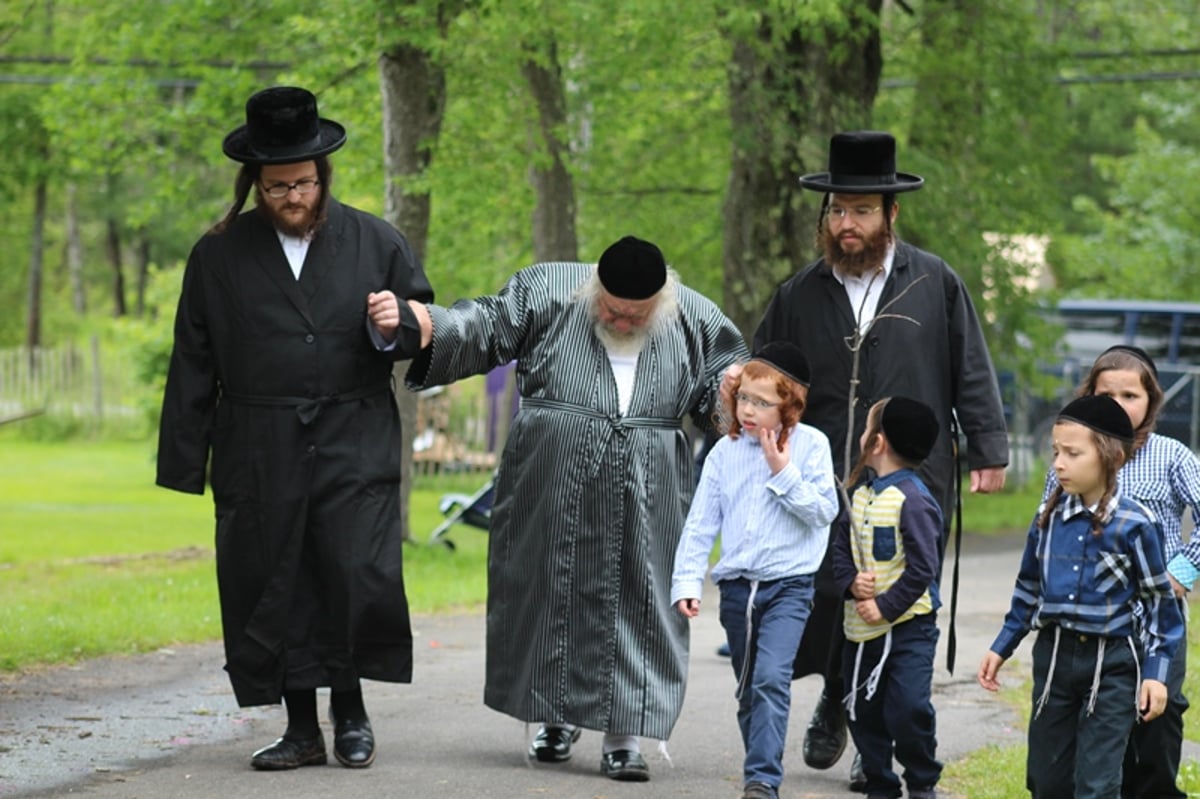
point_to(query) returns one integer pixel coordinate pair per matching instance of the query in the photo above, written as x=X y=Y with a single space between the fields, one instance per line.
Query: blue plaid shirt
x=1164 y=475
x=1089 y=583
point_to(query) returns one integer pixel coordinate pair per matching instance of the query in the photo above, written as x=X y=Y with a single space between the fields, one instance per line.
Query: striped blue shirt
x=771 y=526
x=1164 y=475
x=1089 y=583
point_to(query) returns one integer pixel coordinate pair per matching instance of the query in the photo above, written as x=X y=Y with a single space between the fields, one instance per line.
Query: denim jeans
x=777 y=619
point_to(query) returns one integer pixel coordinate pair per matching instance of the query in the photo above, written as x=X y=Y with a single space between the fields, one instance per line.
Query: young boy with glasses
x=767 y=488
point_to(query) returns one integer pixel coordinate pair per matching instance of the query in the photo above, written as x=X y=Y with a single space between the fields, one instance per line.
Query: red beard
x=870 y=256
x=300 y=227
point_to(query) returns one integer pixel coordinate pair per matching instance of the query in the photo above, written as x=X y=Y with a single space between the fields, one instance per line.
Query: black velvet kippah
x=1101 y=413
x=787 y=358
x=911 y=427
x=632 y=269
x=1136 y=352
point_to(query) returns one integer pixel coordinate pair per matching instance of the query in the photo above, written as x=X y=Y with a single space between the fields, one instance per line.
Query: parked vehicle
x=1168 y=331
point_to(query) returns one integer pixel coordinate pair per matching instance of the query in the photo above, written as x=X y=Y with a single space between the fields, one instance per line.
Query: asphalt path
x=166 y=725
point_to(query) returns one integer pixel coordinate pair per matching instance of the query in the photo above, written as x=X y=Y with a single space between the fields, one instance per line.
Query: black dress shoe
x=353 y=743
x=625 y=765
x=858 y=778
x=553 y=744
x=825 y=738
x=287 y=754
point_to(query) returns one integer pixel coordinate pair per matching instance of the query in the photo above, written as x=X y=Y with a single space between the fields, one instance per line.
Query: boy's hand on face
x=777 y=456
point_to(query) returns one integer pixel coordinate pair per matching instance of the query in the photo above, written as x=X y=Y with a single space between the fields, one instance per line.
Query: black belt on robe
x=307 y=408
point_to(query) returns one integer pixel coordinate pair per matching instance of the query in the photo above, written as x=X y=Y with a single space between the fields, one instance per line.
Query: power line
x=1063 y=80
x=142 y=62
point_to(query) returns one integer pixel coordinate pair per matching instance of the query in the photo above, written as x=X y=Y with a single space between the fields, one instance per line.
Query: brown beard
x=306 y=227
x=870 y=257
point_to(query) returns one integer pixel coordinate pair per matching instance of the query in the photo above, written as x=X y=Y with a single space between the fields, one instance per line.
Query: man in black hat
x=592 y=489
x=917 y=335
x=278 y=372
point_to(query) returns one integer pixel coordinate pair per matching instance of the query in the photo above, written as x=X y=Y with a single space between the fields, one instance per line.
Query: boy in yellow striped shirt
x=885 y=560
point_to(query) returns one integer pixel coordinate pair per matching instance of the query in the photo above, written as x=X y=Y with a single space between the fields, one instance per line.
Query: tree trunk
x=74 y=252
x=790 y=89
x=37 y=252
x=413 y=89
x=113 y=249
x=143 y=274
x=554 y=214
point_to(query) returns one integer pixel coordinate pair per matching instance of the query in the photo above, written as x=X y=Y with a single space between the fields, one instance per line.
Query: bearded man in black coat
x=914 y=326
x=278 y=373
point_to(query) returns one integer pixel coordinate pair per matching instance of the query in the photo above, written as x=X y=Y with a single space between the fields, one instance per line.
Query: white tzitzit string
x=745 y=675
x=1041 y=703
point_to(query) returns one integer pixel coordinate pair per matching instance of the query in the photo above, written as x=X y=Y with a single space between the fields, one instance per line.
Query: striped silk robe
x=590 y=503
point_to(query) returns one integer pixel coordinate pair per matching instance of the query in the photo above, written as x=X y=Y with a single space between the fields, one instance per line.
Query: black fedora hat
x=862 y=162
x=282 y=127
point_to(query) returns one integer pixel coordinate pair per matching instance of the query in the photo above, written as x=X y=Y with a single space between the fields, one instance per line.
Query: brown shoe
x=286 y=754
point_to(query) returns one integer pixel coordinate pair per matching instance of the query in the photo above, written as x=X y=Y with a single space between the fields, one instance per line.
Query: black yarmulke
x=632 y=269
x=1101 y=413
x=787 y=358
x=911 y=427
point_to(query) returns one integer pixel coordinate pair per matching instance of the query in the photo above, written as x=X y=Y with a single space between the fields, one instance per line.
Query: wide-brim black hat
x=862 y=162
x=282 y=127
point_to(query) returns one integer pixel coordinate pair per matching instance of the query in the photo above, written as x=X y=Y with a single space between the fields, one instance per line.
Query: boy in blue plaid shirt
x=1164 y=475
x=1091 y=558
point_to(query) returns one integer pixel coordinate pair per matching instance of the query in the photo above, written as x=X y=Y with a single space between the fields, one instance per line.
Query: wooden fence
x=459 y=428
x=72 y=380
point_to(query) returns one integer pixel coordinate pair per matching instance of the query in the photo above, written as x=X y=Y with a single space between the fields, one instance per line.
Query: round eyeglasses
x=277 y=191
x=746 y=399
x=857 y=212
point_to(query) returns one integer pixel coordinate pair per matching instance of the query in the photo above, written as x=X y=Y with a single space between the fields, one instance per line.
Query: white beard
x=621 y=344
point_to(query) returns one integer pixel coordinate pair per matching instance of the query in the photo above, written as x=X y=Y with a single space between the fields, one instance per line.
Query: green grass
x=95 y=559
x=1008 y=512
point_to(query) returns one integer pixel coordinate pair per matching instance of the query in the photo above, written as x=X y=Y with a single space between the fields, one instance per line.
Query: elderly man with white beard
x=592 y=489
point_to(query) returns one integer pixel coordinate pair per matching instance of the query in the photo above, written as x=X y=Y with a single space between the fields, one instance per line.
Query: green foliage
x=997 y=105
x=146 y=341
x=1143 y=241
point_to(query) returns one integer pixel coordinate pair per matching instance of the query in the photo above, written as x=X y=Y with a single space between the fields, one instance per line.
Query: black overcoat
x=930 y=347
x=279 y=380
